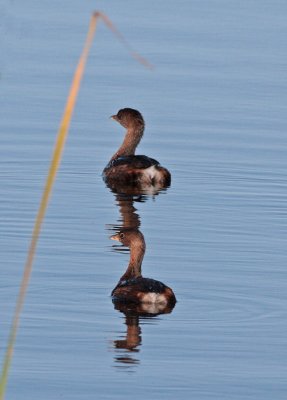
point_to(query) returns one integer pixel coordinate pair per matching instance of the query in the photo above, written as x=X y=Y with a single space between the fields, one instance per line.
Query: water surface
x=215 y=110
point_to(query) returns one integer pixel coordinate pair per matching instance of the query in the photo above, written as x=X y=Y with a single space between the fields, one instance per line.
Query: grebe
x=126 y=168
x=132 y=287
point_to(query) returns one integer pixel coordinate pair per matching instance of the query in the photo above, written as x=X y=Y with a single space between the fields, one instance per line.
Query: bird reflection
x=134 y=311
x=129 y=217
x=127 y=347
x=130 y=343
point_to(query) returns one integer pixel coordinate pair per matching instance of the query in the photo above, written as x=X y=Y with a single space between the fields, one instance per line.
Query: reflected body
x=127 y=169
x=134 y=315
x=132 y=287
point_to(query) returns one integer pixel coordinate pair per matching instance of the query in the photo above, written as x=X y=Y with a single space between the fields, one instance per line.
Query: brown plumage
x=126 y=168
x=132 y=287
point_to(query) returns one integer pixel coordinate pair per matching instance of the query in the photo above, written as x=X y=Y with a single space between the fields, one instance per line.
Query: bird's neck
x=134 y=269
x=132 y=138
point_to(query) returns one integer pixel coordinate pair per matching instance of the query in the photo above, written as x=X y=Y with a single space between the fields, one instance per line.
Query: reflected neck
x=132 y=138
x=137 y=251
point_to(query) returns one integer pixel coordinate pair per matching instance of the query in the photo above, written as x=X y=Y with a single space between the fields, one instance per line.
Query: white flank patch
x=152 y=173
x=153 y=308
x=154 y=298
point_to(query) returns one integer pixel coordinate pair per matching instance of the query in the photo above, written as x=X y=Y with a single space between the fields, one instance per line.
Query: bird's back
x=143 y=290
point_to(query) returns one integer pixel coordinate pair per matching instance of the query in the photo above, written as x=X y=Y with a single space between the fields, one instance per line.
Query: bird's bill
x=115 y=237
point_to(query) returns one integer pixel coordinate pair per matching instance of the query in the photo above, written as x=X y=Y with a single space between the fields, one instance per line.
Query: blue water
x=215 y=111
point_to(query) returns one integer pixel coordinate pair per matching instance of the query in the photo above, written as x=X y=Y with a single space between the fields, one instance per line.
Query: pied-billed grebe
x=132 y=287
x=126 y=168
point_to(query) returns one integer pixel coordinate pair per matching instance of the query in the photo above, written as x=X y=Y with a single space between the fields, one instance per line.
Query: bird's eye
x=122 y=235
